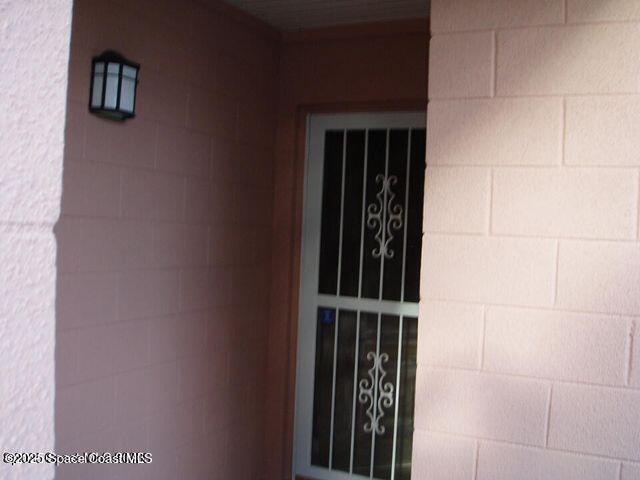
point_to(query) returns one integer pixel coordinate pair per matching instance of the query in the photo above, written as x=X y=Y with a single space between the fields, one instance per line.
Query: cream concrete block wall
x=529 y=337
x=34 y=58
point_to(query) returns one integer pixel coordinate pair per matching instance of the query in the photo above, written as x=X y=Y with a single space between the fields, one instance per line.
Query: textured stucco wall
x=528 y=345
x=163 y=244
x=34 y=53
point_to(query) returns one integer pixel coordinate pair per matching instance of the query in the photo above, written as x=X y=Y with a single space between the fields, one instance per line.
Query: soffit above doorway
x=301 y=14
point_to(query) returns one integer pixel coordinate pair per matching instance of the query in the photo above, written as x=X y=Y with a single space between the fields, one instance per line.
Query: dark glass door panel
x=343 y=408
x=323 y=386
x=331 y=215
x=373 y=235
x=414 y=216
x=354 y=423
x=365 y=351
x=406 y=399
x=387 y=378
x=367 y=343
x=393 y=261
x=352 y=214
x=371 y=239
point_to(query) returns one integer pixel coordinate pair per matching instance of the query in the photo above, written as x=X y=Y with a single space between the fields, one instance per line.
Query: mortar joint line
x=557 y=276
x=83 y=149
x=548 y=419
x=563 y=132
x=576 y=23
x=638 y=210
x=209 y=239
x=632 y=333
x=494 y=92
x=432 y=367
x=185 y=188
x=490 y=207
x=476 y=460
x=120 y=193
x=156 y=142
x=484 y=336
x=188 y=105
x=34 y=227
x=493 y=441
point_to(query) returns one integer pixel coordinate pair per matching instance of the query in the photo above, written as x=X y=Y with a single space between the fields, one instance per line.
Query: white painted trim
x=397 y=405
x=369 y=305
x=310 y=257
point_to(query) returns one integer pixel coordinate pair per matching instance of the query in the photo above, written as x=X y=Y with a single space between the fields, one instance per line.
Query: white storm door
x=360 y=268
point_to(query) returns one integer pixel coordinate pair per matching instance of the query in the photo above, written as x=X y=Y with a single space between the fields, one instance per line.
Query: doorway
x=359 y=290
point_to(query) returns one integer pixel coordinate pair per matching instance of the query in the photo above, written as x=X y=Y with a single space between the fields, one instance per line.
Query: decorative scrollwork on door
x=384 y=216
x=367 y=395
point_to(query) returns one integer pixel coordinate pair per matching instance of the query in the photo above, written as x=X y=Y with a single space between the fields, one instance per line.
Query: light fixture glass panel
x=127 y=94
x=114 y=85
x=111 y=92
x=129 y=72
x=98 y=79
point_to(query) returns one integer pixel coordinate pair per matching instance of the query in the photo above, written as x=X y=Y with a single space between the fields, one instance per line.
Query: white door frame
x=310 y=256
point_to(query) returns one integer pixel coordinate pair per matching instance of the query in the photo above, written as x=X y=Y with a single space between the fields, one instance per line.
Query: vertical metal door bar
x=384 y=217
x=375 y=396
x=395 y=422
x=406 y=217
x=335 y=340
x=344 y=166
x=333 y=386
x=355 y=391
x=364 y=209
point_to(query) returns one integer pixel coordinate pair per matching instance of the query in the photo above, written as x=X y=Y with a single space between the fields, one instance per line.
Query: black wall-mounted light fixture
x=114 y=80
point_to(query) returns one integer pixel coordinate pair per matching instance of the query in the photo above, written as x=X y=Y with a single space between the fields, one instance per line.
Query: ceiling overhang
x=291 y=15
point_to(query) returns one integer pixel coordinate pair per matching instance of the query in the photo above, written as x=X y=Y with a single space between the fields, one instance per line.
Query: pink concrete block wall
x=528 y=355
x=164 y=244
